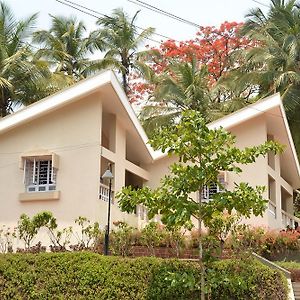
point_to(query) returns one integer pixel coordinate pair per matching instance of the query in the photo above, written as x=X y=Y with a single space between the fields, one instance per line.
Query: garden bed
x=83 y=275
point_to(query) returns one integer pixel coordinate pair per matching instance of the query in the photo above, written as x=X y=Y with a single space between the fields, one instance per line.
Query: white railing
x=272 y=208
x=104 y=193
x=288 y=219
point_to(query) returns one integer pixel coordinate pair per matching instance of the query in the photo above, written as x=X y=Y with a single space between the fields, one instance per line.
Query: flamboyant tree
x=216 y=48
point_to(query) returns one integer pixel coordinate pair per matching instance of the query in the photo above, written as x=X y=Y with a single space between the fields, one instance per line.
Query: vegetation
x=20 y=72
x=199 y=166
x=91 y=276
x=119 y=38
x=66 y=48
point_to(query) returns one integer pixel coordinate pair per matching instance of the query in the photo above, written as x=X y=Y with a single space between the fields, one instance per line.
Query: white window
x=39 y=174
x=209 y=191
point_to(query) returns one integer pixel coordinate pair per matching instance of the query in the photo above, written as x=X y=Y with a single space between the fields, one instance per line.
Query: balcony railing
x=288 y=219
x=272 y=208
x=104 y=193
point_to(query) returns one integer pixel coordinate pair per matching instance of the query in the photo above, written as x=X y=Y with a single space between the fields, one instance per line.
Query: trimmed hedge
x=235 y=279
x=84 y=275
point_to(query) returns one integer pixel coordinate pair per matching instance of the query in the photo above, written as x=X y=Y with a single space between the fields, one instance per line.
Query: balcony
x=288 y=220
x=104 y=193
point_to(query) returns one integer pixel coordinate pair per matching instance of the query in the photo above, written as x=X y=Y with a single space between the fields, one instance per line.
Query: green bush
x=235 y=279
x=83 y=275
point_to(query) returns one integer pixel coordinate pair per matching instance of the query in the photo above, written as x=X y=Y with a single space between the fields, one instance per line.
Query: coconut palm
x=119 y=38
x=66 y=46
x=19 y=70
x=275 y=61
x=183 y=86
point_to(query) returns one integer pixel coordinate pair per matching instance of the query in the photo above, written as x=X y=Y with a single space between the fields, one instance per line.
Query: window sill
x=39 y=196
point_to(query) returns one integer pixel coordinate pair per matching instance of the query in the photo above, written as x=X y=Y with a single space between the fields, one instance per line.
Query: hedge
x=84 y=275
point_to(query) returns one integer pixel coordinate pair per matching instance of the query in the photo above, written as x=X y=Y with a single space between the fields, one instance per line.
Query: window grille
x=40 y=175
x=209 y=191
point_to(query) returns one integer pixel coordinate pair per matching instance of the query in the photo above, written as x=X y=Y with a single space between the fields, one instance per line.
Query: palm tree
x=19 y=70
x=119 y=38
x=66 y=47
x=275 y=61
x=183 y=86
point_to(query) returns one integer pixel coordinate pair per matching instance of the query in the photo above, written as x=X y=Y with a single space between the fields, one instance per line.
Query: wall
x=249 y=133
x=72 y=132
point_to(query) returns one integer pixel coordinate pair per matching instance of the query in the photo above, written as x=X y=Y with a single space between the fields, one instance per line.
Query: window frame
x=33 y=164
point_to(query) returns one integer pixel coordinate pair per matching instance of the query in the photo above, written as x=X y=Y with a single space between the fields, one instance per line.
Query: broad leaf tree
x=202 y=154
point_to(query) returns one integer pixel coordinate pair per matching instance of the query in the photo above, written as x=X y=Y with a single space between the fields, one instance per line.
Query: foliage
x=216 y=48
x=91 y=276
x=245 y=279
x=175 y=238
x=273 y=65
x=221 y=226
x=88 y=232
x=199 y=165
x=7 y=235
x=120 y=39
x=121 y=239
x=151 y=236
x=29 y=227
x=289 y=265
x=262 y=241
x=66 y=47
x=20 y=72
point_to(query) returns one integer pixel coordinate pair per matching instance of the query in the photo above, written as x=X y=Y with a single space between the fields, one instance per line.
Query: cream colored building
x=53 y=153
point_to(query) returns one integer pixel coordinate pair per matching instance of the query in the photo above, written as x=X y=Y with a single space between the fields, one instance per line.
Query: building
x=53 y=153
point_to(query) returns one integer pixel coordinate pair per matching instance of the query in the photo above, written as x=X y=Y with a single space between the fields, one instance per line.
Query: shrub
x=246 y=279
x=121 y=239
x=7 y=236
x=82 y=275
x=152 y=236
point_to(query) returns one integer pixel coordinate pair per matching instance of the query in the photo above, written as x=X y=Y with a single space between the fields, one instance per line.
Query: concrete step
x=296 y=289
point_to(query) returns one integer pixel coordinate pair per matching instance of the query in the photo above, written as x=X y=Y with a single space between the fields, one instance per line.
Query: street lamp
x=107 y=175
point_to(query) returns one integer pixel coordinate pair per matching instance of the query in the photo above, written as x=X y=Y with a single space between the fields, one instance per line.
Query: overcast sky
x=203 y=12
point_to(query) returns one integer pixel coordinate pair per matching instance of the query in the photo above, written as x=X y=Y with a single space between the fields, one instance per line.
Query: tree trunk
x=202 y=281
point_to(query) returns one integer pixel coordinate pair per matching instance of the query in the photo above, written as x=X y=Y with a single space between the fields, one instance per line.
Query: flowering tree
x=216 y=48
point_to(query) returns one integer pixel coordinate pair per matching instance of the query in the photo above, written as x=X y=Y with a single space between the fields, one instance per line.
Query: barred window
x=209 y=191
x=39 y=175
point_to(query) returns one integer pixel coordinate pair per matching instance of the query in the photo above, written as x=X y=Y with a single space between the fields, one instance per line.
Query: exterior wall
x=73 y=134
x=120 y=165
x=250 y=133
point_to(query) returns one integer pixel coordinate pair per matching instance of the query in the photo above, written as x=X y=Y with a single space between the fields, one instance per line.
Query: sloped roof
x=265 y=106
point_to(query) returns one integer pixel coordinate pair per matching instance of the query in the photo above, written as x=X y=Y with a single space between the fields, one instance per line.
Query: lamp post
x=107 y=175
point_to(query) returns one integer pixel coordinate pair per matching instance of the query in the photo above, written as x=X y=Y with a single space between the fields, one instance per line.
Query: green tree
x=274 y=64
x=66 y=47
x=202 y=154
x=20 y=71
x=182 y=86
x=119 y=38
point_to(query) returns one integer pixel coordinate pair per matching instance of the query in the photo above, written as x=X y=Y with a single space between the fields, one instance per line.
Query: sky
x=208 y=12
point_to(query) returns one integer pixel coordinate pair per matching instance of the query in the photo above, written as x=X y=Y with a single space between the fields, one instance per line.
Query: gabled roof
x=270 y=106
x=273 y=109
x=71 y=94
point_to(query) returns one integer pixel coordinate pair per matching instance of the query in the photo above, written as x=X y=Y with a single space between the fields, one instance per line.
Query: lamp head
x=107 y=175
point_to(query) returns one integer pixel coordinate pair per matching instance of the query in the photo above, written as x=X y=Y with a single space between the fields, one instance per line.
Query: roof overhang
x=100 y=82
x=273 y=109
